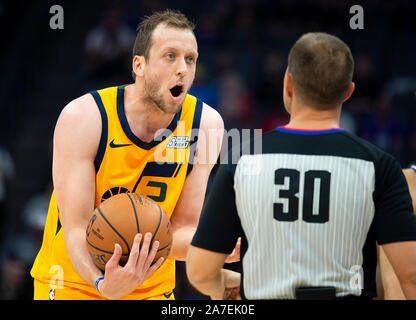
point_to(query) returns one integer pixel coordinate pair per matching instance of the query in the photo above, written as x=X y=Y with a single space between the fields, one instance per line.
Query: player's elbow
x=406 y=273
x=408 y=279
x=194 y=272
x=195 y=278
x=408 y=283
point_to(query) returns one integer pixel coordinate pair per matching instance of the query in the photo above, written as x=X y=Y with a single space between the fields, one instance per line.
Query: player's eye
x=170 y=56
x=190 y=59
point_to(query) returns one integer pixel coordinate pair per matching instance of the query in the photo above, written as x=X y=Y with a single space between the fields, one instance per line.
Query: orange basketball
x=118 y=219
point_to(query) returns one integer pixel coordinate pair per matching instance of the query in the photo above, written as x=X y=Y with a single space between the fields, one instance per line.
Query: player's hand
x=232 y=294
x=119 y=281
x=235 y=255
x=232 y=282
x=231 y=286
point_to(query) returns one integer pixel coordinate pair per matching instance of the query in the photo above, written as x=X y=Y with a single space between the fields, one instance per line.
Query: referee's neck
x=304 y=117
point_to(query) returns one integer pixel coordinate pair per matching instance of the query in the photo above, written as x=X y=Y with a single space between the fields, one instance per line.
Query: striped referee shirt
x=310 y=209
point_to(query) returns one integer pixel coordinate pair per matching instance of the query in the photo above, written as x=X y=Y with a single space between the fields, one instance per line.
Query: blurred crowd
x=243 y=47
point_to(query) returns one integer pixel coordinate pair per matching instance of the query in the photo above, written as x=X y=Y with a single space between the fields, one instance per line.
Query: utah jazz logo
x=152 y=169
x=113 y=192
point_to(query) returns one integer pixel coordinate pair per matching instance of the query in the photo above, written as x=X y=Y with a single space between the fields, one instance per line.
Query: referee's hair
x=322 y=67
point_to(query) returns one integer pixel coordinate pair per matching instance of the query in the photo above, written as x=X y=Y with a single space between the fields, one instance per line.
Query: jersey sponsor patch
x=178 y=142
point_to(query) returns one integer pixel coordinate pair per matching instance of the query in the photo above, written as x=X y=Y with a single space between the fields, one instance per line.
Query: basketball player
x=137 y=138
x=311 y=207
x=391 y=285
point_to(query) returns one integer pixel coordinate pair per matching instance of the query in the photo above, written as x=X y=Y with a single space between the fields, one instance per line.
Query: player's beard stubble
x=153 y=96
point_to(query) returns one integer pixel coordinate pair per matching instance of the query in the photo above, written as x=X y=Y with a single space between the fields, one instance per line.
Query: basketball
x=118 y=219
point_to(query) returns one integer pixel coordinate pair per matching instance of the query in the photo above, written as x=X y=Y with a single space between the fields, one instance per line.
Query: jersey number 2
x=315 y=195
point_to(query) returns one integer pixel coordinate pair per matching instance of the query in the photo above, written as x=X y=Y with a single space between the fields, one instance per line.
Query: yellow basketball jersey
x=124 y=163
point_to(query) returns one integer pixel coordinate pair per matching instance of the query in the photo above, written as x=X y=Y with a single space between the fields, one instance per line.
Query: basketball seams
x=167 y=246
x=120 y=230
x=158 y=225
x=114 y=229
x=105 y=251
x=135 y=212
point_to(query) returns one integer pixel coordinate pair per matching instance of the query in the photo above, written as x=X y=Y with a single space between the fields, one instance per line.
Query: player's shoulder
x=80 y=108
x=410 y=173
x=80 y=120
x=210 y=134
x=210 y=118
x=81 y=113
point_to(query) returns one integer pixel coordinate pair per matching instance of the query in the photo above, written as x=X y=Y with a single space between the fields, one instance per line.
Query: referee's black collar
x=309 y=132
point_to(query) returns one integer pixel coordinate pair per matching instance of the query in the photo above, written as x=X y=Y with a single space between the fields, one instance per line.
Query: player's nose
x=182 y=68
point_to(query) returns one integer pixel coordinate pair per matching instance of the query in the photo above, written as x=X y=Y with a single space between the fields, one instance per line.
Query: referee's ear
x=350 y=90
x=288 y=85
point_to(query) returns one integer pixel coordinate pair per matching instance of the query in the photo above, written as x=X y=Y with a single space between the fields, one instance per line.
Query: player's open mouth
x=176 y=91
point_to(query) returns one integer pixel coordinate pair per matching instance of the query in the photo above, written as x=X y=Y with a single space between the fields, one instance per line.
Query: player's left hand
x=230 y=286
x=232 y=294
x=232 y=281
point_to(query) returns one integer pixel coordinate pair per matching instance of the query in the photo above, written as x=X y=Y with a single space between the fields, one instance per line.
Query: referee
x=312 y=206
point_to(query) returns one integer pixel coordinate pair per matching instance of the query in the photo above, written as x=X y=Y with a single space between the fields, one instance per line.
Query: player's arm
x=205 y=272
x=391 y=284
x=402 y=258
x=187 y=211
x=218 y=229
x=396 y=233
x=76 y=139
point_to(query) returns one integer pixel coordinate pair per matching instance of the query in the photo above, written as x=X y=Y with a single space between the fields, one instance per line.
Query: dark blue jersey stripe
x=104 y=130
x=133 y=138
x=194 y=136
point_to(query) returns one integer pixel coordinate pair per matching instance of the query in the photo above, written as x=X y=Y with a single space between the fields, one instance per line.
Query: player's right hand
x=119 y=281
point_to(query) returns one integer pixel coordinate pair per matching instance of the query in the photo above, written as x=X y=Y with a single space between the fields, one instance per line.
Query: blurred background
x=243 y=48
